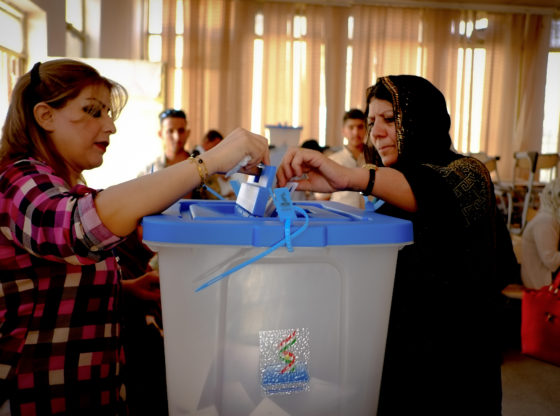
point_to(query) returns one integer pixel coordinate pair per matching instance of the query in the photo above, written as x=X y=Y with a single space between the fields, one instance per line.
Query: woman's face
x=381 y=124
x=81 y=129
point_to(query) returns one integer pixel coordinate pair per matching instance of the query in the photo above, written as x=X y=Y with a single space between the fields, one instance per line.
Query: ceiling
x=555 y=4
x=523 y=5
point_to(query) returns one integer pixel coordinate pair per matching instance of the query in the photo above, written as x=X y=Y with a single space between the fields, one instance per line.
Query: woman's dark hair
x=54 y=82
x=378 y=91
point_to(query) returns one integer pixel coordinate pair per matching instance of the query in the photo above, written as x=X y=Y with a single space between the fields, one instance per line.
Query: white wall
x=135 y=144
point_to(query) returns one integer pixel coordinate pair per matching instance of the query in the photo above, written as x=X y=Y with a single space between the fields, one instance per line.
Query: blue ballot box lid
x=223 y=223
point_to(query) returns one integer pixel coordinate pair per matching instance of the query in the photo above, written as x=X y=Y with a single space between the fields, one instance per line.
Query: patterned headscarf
x=422 y=126
x=550 y=198
x=421 y=120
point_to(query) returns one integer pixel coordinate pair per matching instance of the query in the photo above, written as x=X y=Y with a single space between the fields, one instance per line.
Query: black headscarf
x=421 y=120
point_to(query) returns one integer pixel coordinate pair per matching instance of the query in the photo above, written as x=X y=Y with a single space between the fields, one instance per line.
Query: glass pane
x=299 y=61
x=349 y=57
x=4 y=85
x=74 y=45
x=14 y=27
x=179 y=29
x=178 y=52
x=300 y=26
x=259 y=24
x=555 y=34
x=551 y=123
x=465 y=145
x=154 y=48
x=479 y=66
x=74 y=14
x=256 y=106
x=155 y=16
x=322 y=101
x=481 y=24
x=10 y=70
x=178 y=89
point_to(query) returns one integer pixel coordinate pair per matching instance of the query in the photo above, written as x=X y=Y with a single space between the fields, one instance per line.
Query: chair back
x=491 y=163
x=524 y=167
x=548 y=161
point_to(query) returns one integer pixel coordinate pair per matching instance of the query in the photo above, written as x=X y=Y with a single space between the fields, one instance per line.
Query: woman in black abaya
x=443 y=350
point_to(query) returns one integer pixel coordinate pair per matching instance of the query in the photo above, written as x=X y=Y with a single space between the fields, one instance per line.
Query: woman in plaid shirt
x=59 y=288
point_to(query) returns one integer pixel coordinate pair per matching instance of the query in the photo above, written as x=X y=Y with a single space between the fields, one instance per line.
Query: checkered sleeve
x=47 y=219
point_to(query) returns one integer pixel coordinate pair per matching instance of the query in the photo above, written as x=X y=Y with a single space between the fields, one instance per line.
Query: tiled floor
x=530 y=387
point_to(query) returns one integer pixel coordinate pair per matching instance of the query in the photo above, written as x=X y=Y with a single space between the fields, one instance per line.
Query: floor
x=530 y=387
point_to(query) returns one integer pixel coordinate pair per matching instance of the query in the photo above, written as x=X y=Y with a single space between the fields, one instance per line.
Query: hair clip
x=35 y=77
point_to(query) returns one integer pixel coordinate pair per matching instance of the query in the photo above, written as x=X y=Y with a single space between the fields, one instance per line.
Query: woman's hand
x=121 y=207
x=145 y=287
x=234 y=148
x=313 y=171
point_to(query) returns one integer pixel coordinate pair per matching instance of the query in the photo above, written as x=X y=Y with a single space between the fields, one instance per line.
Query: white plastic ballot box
x=298 y=332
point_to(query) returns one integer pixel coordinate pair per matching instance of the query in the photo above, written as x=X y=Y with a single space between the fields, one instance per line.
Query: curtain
x=216 y=72
x=279 y=82
x=217 y=64
x=514 y=85
x=393 y=41
x=426 y=42
x=385 y=42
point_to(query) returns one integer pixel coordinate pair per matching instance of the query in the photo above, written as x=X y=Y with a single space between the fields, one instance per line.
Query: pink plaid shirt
x=59 y=332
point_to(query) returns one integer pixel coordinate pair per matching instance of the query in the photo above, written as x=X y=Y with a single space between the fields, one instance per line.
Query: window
x=155 y=24
x=256 y=107
x=551 y=122
x=471 y=62
x=299 y=52
x=154 y=53
x=296 y=56
x=75 y=28
x=11 y=53
x=468 y=99
x=348 y=87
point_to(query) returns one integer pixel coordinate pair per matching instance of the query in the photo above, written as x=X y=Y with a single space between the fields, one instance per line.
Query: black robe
x=443 y=351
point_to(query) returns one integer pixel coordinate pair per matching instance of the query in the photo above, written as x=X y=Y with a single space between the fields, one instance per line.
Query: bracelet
x=201 y=167
x=371 y=181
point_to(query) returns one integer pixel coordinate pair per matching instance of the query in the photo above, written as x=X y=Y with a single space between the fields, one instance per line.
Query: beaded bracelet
x=201 y=167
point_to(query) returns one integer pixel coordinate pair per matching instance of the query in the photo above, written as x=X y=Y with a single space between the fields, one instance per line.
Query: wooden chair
x=525 y=187
x=491 y=163
x=547 y=162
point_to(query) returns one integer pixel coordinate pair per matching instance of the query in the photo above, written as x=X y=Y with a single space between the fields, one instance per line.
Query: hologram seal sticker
x=284 y=357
